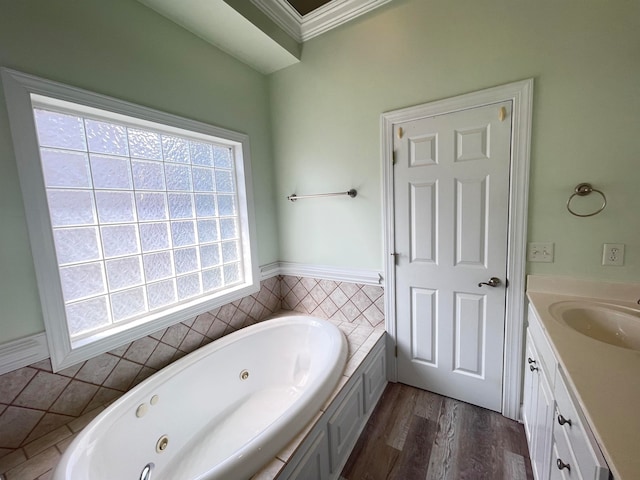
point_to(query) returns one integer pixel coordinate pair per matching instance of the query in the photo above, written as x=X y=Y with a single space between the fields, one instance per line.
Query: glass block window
x=138 y=219
x=142 y=219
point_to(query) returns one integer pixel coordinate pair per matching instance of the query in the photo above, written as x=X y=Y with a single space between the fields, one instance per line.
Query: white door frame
x=521 y=94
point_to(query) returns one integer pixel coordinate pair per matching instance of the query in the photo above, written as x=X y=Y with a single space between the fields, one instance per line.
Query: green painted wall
x=123 y=49
x=585 y=58
x=322 y=115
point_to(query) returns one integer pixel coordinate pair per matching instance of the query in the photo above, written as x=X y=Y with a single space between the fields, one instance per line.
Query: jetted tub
x=221 y=412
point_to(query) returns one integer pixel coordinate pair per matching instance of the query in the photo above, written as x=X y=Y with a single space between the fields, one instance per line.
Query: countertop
x=605 y=379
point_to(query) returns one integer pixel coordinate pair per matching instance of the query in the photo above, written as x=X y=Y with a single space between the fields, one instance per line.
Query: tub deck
x=361 y=340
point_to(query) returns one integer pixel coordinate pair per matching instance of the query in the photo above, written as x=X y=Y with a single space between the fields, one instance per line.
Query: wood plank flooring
x=413 y=434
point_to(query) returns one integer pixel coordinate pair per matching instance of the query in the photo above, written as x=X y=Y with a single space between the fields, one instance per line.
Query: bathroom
x=314 y=127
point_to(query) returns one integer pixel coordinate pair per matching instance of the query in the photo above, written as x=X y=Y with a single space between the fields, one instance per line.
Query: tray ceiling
x=307 y=6
x=246 y=30
x=305 y=19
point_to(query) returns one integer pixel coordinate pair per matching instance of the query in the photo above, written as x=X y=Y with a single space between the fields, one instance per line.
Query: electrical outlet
x=613 y=254
x=540 y=252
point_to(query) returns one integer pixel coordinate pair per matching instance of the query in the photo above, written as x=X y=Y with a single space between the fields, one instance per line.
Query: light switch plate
x=540 y=252
x=613 y=254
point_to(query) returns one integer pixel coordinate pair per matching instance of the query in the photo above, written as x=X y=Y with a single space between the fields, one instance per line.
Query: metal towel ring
x=582 y=190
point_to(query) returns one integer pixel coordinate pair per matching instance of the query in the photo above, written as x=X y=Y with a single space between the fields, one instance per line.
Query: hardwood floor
x=413 y=434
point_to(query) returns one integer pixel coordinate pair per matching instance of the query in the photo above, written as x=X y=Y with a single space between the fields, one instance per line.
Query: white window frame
x=19 y=88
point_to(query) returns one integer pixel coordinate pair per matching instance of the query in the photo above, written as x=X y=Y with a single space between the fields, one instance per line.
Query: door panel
x=471 y=222
x=423 y=325
x=469 y=334
x=423 y=150
x=423 y=222
x=451 y=192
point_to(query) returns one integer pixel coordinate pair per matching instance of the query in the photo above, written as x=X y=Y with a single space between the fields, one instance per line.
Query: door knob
x=493 y=282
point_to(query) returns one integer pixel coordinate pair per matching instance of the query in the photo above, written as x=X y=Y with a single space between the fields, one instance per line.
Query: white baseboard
x=324 y=272
x=22 y=352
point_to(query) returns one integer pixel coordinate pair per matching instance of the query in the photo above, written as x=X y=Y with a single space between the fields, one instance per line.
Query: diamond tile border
x=31 y=425
x=340 y=301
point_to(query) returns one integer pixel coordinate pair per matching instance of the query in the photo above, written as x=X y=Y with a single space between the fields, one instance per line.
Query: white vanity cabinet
x=561 y=445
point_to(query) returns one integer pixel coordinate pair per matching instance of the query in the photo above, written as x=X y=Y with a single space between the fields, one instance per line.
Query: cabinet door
x=538 y=407
x=545 y=406
x=315 y=463
x=530 y=395
x=563 y=464
x=570 y=422
x=375 y=379
x=556 y=473
x=344 y=426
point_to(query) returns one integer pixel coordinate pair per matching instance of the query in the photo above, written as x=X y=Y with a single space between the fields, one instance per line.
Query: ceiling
x=264 y=34
x=320 y=17
x=307 y=6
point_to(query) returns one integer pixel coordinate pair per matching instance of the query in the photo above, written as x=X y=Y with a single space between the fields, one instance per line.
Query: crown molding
x=282 y=15
x=305 y=27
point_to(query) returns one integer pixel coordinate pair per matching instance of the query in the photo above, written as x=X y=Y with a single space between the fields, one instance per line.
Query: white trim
x=522 y=97
x=389 y=247
x=19 y=88
x=521 y=94
x=269 y=270
x=334 y=14
x=321 y=20
x=324 y=272
x=338 y=274
x=22 y=352
x=283 y=15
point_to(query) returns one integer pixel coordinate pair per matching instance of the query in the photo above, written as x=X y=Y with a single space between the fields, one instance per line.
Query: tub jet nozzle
x=161 y=446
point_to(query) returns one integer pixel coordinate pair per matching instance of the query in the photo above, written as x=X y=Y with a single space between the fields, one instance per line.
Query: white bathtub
x=226 y=409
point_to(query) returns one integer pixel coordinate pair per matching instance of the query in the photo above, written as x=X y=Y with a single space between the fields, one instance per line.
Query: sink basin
x=608 y=323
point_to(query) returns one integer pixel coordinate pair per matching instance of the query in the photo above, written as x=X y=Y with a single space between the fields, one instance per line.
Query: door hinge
x=393 y=157
x=395 y=351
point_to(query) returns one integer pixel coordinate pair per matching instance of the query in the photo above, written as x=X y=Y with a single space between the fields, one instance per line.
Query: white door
x=451 y=197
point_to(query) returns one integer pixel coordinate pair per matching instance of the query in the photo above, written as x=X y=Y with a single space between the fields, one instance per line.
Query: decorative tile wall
x=340 y=302
x=40 y=411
